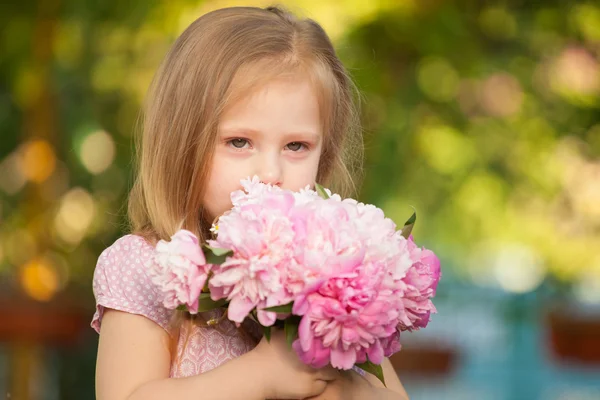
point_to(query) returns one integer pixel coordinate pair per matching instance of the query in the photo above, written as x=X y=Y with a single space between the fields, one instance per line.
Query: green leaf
x=285 y=308
x=215 y=255
x=219 y=251
x=321 y=191
x=374 y=369
x=291 y=330
x=205 y=303
x=182 y=307
x=253 y=316
x=267 y=332
x=408 y=225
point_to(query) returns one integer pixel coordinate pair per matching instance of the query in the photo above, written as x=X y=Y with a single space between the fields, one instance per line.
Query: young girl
x=243 y=91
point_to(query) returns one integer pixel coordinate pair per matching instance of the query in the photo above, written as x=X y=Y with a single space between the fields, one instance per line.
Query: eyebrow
x=309 y=135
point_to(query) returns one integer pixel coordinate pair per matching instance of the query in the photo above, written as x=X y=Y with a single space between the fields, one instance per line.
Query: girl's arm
x=134 y=362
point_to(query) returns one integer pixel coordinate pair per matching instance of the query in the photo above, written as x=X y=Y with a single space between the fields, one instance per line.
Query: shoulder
x=122 y=281
x=130 y=247
x=129 y=254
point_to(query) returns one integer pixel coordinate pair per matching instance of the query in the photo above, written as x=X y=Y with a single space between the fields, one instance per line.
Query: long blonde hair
x=216 y=60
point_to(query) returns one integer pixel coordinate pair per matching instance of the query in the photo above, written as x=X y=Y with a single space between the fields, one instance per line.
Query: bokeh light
x=575 y=74
x=74 y=216
x=501 y=95
x=438 y=79
x=39 y=279
x=38 y=160
x=97 y=152
x=518 y=268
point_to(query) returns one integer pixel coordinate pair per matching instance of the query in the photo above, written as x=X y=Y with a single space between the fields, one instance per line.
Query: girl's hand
x=349 y=385
x=285 y=376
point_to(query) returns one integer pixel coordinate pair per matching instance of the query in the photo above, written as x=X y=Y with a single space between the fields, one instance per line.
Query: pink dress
x=121 y=282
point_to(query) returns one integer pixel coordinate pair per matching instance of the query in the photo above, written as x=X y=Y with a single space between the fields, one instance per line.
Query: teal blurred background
x=483 y=115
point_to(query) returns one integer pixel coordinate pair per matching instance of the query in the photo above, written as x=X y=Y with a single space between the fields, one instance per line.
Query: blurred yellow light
x=39 y=279
x=501 y=95
x=12 y=179
x=38 y=160
x=583 y=189
x=62 y=232
x=518 y=269
x=97 y=152
x=438 y=79
x=481 y=194
x=446 y=149
x=77 y=209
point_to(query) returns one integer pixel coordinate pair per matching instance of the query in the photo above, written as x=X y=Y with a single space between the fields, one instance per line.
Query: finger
x=318 y=387
x=328 y=373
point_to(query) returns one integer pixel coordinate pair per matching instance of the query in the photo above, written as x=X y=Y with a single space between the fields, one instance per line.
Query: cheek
x=302 y=175
x=222 y=180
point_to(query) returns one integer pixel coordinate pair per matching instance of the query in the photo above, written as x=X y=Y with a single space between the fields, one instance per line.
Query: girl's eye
x=238 y=143
x=295 y=146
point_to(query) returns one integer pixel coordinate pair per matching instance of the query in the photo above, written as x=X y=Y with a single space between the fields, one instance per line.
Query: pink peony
x=391 y=344
x=420 y=282
x=346 y=317
x=180 y=270
x=355 y=309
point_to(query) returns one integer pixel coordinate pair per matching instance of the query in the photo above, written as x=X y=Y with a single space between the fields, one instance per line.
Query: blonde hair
x=217 y=59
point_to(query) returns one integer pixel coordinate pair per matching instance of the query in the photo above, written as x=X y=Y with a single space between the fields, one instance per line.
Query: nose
x=270 y=170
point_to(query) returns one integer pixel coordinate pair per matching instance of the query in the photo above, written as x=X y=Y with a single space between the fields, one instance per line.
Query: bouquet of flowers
x=336 y=274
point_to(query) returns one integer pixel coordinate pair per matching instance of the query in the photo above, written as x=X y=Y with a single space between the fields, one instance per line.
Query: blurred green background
x=483 y=115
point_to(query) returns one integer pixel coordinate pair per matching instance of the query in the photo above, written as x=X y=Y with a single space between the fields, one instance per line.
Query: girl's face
x=275 y=133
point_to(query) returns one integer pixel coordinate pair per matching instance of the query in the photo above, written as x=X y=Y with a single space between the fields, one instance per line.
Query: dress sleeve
x=121 y=282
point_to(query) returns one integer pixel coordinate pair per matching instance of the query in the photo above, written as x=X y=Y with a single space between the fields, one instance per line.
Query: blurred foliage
x=482 y=115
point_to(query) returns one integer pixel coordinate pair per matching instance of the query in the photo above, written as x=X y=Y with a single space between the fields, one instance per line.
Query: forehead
x=279 y=109
x=304 y=81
